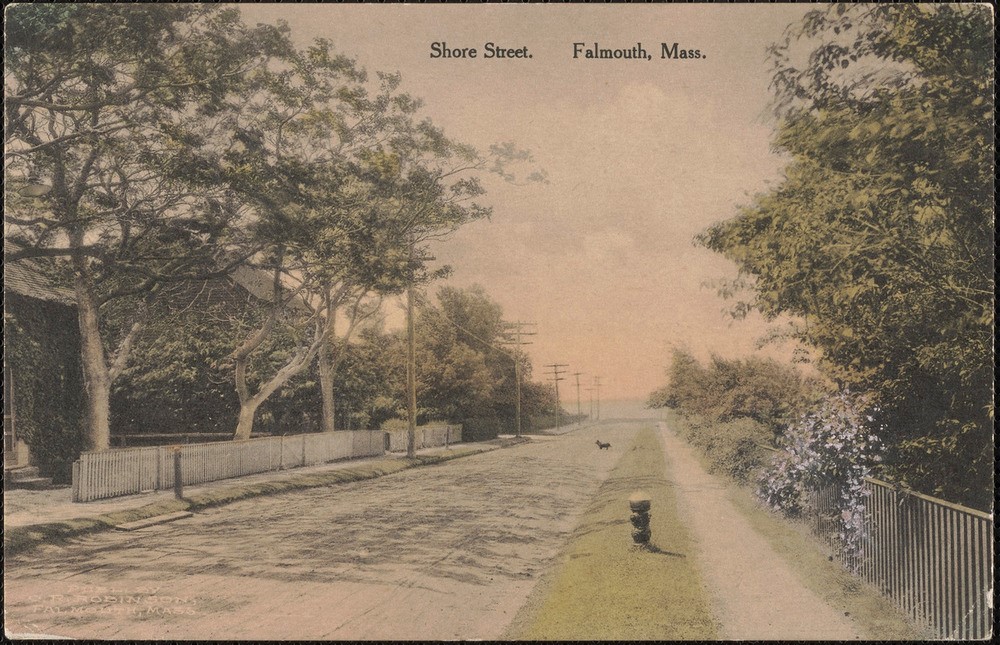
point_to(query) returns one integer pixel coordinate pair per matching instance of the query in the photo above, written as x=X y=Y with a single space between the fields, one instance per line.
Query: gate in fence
x=934 y=559
x=125 y=471
x=429 y=436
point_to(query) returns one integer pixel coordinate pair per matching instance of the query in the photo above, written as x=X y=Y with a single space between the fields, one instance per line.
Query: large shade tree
x=880 y=236
x=111 y=104
x=342 y=186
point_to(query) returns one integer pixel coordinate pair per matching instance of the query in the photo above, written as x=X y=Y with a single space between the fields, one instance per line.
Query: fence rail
x=932 y=558
x=112 y=473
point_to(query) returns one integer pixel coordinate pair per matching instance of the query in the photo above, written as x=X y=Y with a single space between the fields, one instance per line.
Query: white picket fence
x=125 y=471
x=430 y=436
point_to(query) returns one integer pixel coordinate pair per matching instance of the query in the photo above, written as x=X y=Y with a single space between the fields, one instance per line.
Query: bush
x=734 y=448
x=484 y=428
x=755 y=388
x=393 y=425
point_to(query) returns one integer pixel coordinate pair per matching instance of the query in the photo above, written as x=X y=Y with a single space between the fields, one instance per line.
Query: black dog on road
x=602 y=446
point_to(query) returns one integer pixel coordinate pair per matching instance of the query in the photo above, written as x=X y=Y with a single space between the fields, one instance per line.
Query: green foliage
x=464 y=372
x=880 y=237
x=485 y=428
x=179 y=378
x=733 y=410
x=753 y=388
x=394 y=425
x=737 y=448
x=345 y=184
x=183 y=145
x=465 y=368
x=41 y=350
x=116 y=106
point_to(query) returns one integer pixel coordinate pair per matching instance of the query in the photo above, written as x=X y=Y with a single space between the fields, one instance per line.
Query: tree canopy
x=113 y=105
x=880 y=237
x=182 y=145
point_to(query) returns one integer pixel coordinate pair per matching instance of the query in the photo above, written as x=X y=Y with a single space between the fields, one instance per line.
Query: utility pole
x=556 y=377
x=411 y=370
x=590 y=392
x=597 y=386
x=515 y=338
x=579 y=413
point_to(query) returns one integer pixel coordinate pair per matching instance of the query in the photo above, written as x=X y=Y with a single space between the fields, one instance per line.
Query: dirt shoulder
x=757 y=595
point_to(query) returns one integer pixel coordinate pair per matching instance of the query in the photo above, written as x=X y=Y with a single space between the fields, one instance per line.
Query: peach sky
x=640 y=155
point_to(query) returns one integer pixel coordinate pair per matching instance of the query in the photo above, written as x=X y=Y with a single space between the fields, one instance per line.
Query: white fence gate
x=427 y=437
x=125 y=471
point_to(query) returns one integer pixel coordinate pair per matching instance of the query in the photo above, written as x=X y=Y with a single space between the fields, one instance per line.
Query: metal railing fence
x=932 y=558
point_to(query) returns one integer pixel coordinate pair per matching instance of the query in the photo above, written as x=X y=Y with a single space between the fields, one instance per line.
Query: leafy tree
x=453 y=380
x=728 y=389
x=687 y=385
x=341 y=185
x=463 y=370
x=111 y=103
x=180 y=375
x=465 y=364
x=364 y=385
x=880 y=236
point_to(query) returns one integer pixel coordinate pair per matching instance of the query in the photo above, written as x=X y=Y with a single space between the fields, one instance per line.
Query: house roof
x=29 y=278
x=259 y=284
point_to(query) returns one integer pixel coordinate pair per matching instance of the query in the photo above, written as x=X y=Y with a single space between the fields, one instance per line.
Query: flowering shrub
x=835 y=446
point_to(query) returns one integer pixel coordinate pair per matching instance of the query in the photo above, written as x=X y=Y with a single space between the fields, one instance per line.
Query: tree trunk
x=248 y=409
x=326 y=376
x=250 y=402
x=96 y=378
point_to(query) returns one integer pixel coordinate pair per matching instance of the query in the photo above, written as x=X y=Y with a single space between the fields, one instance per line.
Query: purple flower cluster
x=834 y=447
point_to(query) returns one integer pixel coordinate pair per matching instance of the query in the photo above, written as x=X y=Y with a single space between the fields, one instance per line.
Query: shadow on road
x=652 y=548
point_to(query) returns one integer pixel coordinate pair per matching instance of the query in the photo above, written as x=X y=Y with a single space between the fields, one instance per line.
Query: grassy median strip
x=23 y=538
x=606 y=588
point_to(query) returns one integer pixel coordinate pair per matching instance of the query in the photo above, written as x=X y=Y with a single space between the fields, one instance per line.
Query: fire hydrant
x=639 y=503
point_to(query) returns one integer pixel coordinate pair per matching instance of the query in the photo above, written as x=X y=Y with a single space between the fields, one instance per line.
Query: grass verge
x=20 y=539
x=604 y=587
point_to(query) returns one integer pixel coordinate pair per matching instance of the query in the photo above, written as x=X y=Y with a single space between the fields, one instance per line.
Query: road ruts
x=441 y=552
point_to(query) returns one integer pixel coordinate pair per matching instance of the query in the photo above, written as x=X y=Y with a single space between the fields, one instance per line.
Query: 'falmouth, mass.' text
x=672 y=51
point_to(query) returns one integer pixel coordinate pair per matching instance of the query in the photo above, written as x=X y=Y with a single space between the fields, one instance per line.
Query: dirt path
x=443 y=552
x=757 y=595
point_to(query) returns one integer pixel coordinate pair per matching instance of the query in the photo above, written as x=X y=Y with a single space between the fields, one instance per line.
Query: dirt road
x=757 y=595
x=441 y=552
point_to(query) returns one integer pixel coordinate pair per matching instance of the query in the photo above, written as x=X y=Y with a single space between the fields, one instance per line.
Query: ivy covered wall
x=42 y=353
